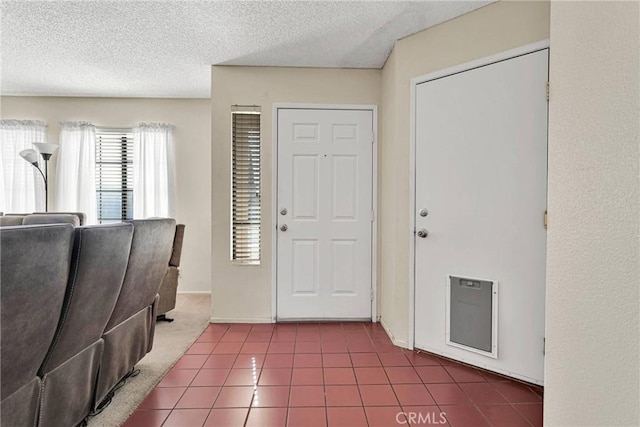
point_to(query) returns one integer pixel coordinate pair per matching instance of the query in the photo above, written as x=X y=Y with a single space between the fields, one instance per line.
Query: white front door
x=324 y=213
x=481 y=173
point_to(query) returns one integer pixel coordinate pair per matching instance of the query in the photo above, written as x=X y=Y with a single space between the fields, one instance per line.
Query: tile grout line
x=364 y=408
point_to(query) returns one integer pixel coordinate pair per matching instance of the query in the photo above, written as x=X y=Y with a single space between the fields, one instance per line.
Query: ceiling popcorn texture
x=165 y=48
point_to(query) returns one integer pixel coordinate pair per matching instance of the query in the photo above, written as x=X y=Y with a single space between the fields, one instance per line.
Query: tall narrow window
x=245 y=183
x=114 y=174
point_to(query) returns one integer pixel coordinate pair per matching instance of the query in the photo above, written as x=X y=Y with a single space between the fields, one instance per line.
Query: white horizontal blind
x=245 y=199
x=114 y=174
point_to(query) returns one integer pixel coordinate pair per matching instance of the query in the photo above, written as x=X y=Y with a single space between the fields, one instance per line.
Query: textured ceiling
x=165 y=48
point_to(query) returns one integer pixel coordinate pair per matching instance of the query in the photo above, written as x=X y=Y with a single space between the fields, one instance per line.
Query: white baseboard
x=195 y=292
x=241 y=320
x=394 y=340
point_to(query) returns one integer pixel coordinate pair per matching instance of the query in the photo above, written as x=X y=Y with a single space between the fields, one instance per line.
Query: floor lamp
x=31 y=156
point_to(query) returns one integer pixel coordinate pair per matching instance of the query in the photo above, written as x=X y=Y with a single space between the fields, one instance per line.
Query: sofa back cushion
x=51 y=219
x=99 y=261
x=11 y=220
x=82 y=217
x=34 y=268
x=150 y=252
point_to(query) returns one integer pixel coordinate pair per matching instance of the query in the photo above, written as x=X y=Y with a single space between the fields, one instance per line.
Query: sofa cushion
x=51 y=219
x=34 y=268
x=82 y=217
x=150 y=252
x=99 y=261
x=11 y=220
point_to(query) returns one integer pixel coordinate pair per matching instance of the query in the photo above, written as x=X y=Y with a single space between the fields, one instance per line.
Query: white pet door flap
x=472 y=315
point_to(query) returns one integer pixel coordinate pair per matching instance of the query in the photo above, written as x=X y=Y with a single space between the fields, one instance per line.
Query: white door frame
x=274 y=197
x=509 y=54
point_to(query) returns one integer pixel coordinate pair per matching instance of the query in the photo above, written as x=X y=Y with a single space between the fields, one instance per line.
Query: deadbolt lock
x=283 y=211
x=423 y=212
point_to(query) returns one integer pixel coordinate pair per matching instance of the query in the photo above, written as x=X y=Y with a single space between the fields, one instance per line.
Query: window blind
x=245 y=171
x=114 y=174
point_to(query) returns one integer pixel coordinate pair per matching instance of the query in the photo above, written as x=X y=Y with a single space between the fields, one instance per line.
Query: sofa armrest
x=168 y=291
x=177 y=246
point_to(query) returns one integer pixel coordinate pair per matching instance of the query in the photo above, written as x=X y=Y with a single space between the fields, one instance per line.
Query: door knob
x=284 y=227
x=423 y=233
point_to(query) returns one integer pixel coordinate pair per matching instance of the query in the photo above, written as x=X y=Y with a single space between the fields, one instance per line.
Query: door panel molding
x=340 y=135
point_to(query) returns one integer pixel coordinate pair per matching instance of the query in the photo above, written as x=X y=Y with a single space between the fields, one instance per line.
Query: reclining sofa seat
x=128 y=335
x=70 y=370
x=34 y=269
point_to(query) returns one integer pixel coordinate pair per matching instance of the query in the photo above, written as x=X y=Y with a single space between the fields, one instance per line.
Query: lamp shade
x=45 y=148
x=30 y=155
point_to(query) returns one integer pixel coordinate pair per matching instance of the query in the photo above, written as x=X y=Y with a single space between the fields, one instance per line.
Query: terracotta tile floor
x=328 y=374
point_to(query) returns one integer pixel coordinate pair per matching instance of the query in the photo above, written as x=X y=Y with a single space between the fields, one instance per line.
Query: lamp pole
x=46 y=157
x=46 y=189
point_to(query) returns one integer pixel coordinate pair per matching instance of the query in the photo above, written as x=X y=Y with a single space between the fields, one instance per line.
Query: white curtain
x=153 y=170
x=21 y=185
x=76 y=171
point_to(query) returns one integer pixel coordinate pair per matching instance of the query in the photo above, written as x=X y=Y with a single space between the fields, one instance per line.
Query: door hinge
x=373 y=136
x=371 y=293
x=548 y=90
x=545 y=219
x=544 y=345
x=373 y=215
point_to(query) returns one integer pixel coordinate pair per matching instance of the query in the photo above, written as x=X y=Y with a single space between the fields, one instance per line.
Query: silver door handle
x=423 y=233
x=284 y=227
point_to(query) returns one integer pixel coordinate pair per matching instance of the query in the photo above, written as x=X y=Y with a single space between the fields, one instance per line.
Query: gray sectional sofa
x=78 y=308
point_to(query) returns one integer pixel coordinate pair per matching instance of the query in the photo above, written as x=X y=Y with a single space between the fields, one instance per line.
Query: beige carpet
x=191 y=316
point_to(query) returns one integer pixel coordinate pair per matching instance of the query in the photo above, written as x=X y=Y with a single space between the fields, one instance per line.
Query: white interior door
x=481 y=173
x=324 y=213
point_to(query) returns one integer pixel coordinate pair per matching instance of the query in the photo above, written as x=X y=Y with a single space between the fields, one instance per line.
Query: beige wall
x=387 y=192
x=492 y=29
x=592 y=356
x=244 y=293
x=192 y=119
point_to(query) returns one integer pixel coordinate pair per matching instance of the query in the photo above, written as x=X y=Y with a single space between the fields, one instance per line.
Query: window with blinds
x=114 y=174
x=245 y=183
